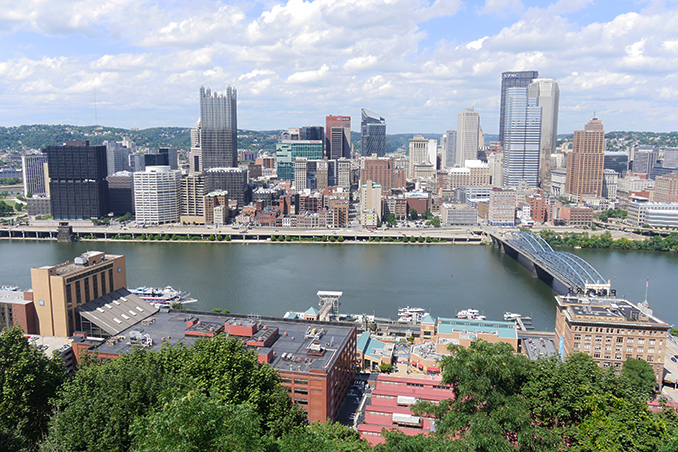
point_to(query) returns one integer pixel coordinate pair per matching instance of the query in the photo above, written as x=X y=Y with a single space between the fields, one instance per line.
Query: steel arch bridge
x=570 y=269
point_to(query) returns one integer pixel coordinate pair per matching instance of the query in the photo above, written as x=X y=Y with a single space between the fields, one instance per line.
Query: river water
x=270 y=279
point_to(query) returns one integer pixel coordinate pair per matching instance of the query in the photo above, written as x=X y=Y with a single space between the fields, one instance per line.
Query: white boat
x=411 y=315
x=509 y=316
x=470 y=314
x=164 y=295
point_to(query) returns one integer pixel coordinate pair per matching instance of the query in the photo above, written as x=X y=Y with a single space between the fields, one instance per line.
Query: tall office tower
x=418 y=153
x=370 y=204
x=117 y=156
x=433 y=153
x=512 y=80
x=547 y=93
x=586 y=162
x=156 y=160
x=233 y=180
x=378 y=170
x=218 y=128
x=522 y=131
x=121 y=193
x=610 y=179
x=343 y=173
x=33 y=168
x=300 y=173
x=157 y=195
x=468 y=136
x=171 y=154
x=372 y=133
x=137 y=162
x=450 y=154
x=496 y=163
x=644 y=159
x=666 y=188
x=313 y=133
x=287 y=152
x=195 y=154
x=77 y=181
x=194 y=187
x=338 y=137
x=59 y=290
x=670 y=158
x=617 y=161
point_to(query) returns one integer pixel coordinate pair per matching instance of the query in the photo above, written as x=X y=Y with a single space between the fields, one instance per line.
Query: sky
x=417 y=63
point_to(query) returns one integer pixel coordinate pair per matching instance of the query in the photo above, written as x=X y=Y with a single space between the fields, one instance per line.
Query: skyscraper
x=547 y=93
x=34 y=172
x=372 y=133
x=522 y=131
x=418 y=153
x=338 y=137
x=450 y=149
x=468 y=136
x=218 y=129
x=509 y=80
x=157 y=195
x=77 y=181
x=586 y=162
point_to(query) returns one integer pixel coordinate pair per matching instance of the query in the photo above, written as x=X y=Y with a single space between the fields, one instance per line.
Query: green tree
x=413 y=214
x=28 y=382
x=391 y=220
x=640 y=376
x=386 y=367
x=322 y=437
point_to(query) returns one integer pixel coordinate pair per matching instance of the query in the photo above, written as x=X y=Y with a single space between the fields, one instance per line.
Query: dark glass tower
x=219 y=128
x=512 y=80
x=372 y=134
x=77 y=181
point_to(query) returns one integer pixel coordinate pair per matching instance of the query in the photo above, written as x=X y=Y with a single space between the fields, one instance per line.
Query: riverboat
x=411 y=315
x=470 y=314
x=162 y=296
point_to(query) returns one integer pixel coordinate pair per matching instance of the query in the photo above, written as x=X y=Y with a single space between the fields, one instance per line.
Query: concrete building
x=16 y=308
x=644 y=159
x=452 y=214
x=121 y=193
x=610 y=179
x=39 y=205
x=670 y=158
x=666 y=188
x=558 y=181
x=418 y=153
x=616 y=161
x=34 y=172
x=586 y=162
x=337 y=137
x=547 y=93
x=495 y=162
x=520 y=79
x=473 y=173
x=232 y=180
x=288 y=151
x=370 y=204
x=473 y=195
x=502 y=207
x=300 y=173
x=59 y=289
x=343 y=177
x=642 y=212
x=610 y=330
x=157 y=195
x=117 y=156
x=377 y=169
x=572 y=215
x=77 y=181
x=522 y=138
x=218 y=129
x=194 y=187
x=372 y=133
x=449 y=145
x=468 y=136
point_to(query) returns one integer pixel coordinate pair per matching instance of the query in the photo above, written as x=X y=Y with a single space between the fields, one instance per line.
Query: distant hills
x=41 y=135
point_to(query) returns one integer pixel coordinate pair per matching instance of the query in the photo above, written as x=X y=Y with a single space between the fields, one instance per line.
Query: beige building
x=502 y=207
x=59 y=289
x=370 y=204
x=666 y=188
x=193 y=188
x=586 y=162
x=418 y=153
x=611 y=330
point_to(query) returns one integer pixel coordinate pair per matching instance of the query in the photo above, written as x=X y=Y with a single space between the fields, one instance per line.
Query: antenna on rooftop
x=96 y=120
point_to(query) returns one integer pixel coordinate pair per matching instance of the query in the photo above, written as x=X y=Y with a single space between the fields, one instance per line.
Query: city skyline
x=417 y=63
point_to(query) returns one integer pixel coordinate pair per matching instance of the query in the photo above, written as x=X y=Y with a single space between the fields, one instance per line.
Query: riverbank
x=605 y=240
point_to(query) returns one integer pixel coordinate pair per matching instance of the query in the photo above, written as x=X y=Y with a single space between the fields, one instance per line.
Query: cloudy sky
x=415 y=62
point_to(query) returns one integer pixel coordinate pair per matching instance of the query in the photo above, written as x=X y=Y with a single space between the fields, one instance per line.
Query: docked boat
x=470 y=314
x=509 y=316
x=164 y=295
x=411 y=315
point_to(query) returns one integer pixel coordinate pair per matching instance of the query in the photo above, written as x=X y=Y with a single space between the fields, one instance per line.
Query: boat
x=470 y=314
x=509 y=316
x=164 y=295
x=9 y=288
x=411 y=315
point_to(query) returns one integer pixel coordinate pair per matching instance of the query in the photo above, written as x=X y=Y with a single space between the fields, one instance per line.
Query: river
x=270 y=279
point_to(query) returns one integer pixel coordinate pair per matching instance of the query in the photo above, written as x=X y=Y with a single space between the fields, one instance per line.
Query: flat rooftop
x=607 y=310
x=306 y=345
x=13 y=297
x=504 y=330
x=69 y=267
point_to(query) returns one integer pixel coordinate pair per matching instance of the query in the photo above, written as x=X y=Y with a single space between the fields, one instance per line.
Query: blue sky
x=415 y=62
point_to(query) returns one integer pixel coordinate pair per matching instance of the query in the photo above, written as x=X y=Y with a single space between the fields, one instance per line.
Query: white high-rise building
x=547 y=94
x=157 y=195
x=522 y=132
x=34 y=170
x=450 y=149
x=468 y=136
x=433 y=152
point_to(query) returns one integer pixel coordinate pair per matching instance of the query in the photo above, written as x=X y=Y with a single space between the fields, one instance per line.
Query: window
x=103 y=282
x=576 y=345
x=629 y=340
x=608 y=348
x=620 y=340
x=641 y=341
x=640 y=349
x=78 y=295
x=587 y=338
x=285 y=380
x=300 y=381
x=629 y=349
x=651 y=341
x=587 y=346
x=596 y=355
x=608 y=339
x=95 y=286
x=110 y=281
x=69 y=296
x=577 y=337
x=300 y=391
x=301 y=401
x=650 y=359
x=599 y=339
x=86 y=290
x=650 y=350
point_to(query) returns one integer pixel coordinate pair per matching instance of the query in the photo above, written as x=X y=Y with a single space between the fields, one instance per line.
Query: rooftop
x=506 y=330
x=13 y=296
x=607 y=310
x=116 y=311
x=80 y=263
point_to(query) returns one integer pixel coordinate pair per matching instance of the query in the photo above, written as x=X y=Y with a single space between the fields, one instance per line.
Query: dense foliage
x=605 y=240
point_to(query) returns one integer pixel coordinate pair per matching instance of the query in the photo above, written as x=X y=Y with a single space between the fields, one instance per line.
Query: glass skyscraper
x=218 y=128
x=522 y=131
x=518 y=79
x=372 y=134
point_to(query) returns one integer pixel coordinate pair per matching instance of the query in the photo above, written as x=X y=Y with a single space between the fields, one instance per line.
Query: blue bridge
x=565 y=272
